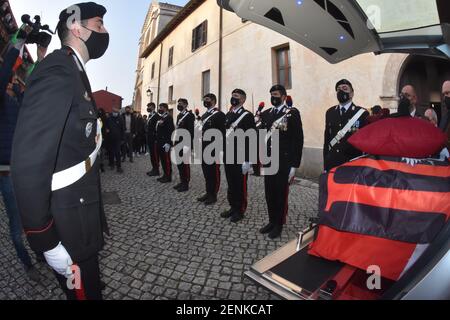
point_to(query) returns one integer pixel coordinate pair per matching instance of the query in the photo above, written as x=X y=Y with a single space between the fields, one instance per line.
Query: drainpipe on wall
x=159 y=74
x=220 y=56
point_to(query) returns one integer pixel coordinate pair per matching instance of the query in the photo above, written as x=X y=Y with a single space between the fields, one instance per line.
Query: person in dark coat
x=130 y=122
x=153 y=119
x=336 y=150
x=185 y=121
x=237 y=172
x=115 y=129
x=11 y=97
x=54 y=168
x=288 y=123
x=140 y=134
x=164 y=130
x=212 y=119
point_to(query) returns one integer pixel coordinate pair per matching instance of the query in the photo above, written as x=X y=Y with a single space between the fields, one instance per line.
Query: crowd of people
x=124 y=136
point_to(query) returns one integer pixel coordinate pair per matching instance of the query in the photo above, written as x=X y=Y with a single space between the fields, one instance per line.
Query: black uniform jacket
x=245 y=124
x=213 y=119
x=56 y=130
x=164 y=130
x=116 y=128
x=151 y=127
x=186 y=121
x=343 y=151
x=292 y=140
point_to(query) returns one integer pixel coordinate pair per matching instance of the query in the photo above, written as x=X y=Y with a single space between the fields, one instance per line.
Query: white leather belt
x=200 y=127
x=235 y=124
x=341 y=134
x=67 y=177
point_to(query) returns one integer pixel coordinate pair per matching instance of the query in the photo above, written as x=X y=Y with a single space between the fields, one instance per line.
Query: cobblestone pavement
x=165 y=245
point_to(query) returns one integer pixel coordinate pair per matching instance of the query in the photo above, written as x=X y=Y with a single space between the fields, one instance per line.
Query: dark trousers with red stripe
x=185 y=173
x=212 y=178
x=90 y=288
x=277 y=196
x=165 y=162
x=237 y=188
x=154 y=155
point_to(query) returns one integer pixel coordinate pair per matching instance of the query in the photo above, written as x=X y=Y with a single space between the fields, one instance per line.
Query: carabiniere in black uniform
x=291 y=142
x=164 y=130
x=153 y=119
x=212 y=119
x=57 y=130
x=237 y=181
x=186 y=121
x=342 y=152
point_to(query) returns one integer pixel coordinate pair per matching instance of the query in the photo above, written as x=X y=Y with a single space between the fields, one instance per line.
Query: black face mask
x=447 y=102
x=276 y=101
x=97 y=44
x=180 y=108
x=207 y=104
x=235 y=102
x=404 y=106
x=343 y=96
x=161 y=112
x=149 y=110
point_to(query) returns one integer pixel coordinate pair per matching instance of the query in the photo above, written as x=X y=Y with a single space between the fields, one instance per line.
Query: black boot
x=227 y=214
x=183 y=188
x=276 y=232
x=211 y=200
x=267 y=229
x=237 y=217
x=153 y=173
x=178 y=186
x=165 y=180
x=203 y=198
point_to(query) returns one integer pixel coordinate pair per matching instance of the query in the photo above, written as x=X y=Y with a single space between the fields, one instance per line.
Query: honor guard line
x=235 y=145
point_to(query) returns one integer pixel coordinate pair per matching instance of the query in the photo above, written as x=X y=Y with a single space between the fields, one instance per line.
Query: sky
x=124 y=19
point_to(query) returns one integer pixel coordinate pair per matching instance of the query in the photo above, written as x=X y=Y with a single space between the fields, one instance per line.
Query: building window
x=283 y=67
x=171 y=56
x=153 y=70
x=206 y=81
x=200 y=36
x=171 y=95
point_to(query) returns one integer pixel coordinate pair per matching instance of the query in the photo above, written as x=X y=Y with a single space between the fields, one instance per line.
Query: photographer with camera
x=55 y=168
x=11 y=98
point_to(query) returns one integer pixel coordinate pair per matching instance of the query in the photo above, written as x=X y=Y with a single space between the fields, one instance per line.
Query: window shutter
x=205 y=32
x=194 y=33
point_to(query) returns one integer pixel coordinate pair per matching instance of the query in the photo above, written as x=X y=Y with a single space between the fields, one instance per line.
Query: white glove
x=292 y=175
x=412 y=162
x=246 y=168
x=59 y=260
x=166 y=147
x=444 y=154
x=186 y=150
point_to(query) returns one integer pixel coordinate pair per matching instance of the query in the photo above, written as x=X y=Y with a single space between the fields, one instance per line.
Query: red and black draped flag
x=382 y=212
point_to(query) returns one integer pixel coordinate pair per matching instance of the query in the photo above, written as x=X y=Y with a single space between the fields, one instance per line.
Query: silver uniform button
x=81 y=200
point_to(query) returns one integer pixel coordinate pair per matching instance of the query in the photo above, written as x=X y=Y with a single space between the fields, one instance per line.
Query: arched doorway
x=427 y=75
